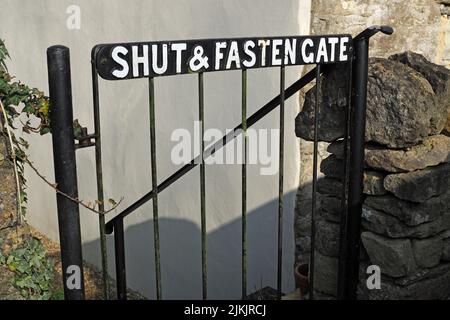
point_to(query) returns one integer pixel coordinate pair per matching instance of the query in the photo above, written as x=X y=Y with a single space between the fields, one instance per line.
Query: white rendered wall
x=30 y=26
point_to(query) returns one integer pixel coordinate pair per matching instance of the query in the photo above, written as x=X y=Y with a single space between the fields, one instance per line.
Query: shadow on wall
x=181 y=255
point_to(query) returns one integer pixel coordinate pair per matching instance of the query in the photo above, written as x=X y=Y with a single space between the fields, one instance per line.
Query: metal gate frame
x=64 y=147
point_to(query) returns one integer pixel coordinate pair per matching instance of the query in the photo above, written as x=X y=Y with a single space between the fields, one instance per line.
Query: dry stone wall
x=420 y=25
x=406 y=213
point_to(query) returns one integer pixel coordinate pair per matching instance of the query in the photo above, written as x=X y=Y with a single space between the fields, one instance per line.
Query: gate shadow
x=181 y=254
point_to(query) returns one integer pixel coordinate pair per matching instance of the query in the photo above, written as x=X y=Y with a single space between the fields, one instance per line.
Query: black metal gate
x=112 y=62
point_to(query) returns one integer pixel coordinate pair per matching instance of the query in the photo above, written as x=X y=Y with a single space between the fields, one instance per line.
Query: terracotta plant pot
x=301 y=273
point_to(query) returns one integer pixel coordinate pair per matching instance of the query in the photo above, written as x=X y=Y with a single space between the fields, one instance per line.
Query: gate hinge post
x=348 y=271
x=61 y=113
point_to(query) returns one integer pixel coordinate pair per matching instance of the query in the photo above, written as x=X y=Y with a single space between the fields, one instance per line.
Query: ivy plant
x=27 y=109
x=20 y=99
x=33 y=270
x=22 y=105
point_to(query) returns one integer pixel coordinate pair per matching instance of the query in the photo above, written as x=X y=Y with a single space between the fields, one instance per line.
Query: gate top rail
x=164 y=58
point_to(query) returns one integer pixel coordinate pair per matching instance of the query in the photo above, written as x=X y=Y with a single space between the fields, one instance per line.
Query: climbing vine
x=29 y=108
x=21 y=104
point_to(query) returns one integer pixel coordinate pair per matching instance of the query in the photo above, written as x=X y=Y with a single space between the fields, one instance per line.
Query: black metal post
x=344 y=199
x=355 y=196
x=61 y=113
x=119 y=246
x=99 y=175
x=348 y=273
x=281 y=186
x=244 y=183
x=201 y=111
x=312 y=253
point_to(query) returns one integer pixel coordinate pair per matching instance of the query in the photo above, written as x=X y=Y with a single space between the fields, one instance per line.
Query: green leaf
x=45 y=130
x=34 y=272
x=77 y=129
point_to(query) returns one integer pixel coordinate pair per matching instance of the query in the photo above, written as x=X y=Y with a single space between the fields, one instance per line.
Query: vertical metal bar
x=280 y=185
x=202 y=186
x=119 y=246
x=99 y=175
x=344 y=200
x=154 y=187
x=314 y=185
x=58 y=60
x=355 y=197
x=244 y=184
